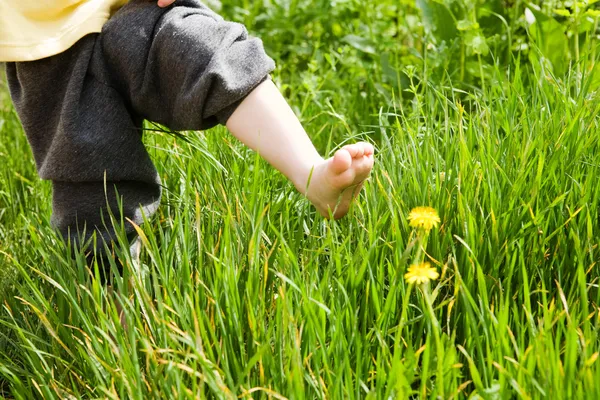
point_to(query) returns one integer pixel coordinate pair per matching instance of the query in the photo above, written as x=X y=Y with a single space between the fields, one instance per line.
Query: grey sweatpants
x=82 y=110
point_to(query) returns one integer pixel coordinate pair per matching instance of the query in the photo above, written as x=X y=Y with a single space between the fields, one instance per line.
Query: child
x=82 y=83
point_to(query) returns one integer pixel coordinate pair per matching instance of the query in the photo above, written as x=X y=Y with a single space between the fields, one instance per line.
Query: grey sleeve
x=184 y=66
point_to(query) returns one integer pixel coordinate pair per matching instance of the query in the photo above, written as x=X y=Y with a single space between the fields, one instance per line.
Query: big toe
x=342 y=160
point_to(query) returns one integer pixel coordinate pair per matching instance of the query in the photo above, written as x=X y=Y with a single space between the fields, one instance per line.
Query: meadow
x=486 y=111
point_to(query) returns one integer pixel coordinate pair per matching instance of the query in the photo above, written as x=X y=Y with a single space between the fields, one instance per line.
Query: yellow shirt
x=34 y=29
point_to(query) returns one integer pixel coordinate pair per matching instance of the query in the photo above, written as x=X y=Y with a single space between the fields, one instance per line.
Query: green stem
x=481 y=73
x=436 y=334
x=398 y=339
x=405 y=302
x=421 y=249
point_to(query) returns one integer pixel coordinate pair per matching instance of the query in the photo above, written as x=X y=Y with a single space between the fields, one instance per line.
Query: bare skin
x=165 y=3
x=265 y=122
x=337 y=180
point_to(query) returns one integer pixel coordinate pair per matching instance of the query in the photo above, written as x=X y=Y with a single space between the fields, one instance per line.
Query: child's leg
x=266 y=123
x=187 y=68
x=85 y=140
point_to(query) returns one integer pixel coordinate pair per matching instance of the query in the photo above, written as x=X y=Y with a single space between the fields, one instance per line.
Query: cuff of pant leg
x=82 y=208
x=224 y=115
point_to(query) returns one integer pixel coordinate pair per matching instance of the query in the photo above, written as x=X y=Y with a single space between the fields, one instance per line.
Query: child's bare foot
x=336 y=181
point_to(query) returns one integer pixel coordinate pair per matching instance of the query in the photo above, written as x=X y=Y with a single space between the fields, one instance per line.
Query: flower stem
x=435 y=325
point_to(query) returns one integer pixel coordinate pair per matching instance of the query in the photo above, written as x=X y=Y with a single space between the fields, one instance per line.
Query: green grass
x=245 y=292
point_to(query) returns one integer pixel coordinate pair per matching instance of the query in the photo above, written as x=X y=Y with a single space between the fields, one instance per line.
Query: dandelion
x=423 y=217
x=421 y=273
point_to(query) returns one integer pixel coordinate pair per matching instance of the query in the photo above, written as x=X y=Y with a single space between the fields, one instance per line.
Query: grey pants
x=82 y=110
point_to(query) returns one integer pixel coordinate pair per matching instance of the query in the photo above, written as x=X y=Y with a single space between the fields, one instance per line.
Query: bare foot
x=336 y=181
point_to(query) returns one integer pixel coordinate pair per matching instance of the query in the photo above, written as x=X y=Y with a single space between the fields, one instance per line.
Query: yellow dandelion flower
x=420 y=273
x=423 y=217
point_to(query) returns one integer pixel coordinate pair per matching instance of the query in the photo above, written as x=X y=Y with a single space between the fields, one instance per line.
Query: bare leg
x=265 y=123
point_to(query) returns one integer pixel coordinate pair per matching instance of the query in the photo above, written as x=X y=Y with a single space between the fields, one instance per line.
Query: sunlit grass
x=244 y=292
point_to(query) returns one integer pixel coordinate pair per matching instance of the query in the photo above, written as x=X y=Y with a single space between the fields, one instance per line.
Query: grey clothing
x=82 y=110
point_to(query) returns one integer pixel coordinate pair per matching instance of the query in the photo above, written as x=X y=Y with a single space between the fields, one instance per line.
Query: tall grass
x=243 y=291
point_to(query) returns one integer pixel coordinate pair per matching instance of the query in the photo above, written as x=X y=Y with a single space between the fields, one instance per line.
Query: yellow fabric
x=34 y=29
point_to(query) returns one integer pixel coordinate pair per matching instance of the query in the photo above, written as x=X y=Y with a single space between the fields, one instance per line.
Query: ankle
x=305 y=173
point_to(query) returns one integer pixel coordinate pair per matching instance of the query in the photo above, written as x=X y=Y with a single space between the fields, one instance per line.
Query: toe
x=360 y=150
x=353 y=149
x=363 y=167
x=342 y=159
